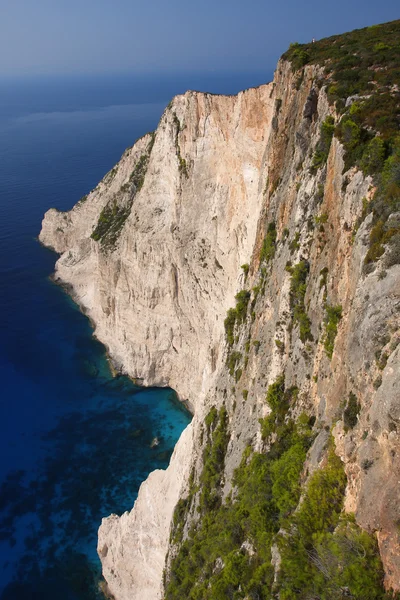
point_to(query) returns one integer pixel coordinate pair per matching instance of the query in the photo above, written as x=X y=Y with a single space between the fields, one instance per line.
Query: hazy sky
x=94 y=36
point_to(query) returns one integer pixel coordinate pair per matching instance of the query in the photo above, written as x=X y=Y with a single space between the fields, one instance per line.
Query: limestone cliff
x=154 y=254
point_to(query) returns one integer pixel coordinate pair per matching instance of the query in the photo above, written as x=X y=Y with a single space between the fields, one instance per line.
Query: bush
x=245 y=268
x=212 y=563
x=113 y=216
x=233 y=359
x=373 y=156
x=322 y=150
x=269 y=244
x=229 y=324
x=364 y=62
x=331 y=321
x=322 y=551
x=237 y=315
x=299 y=56
x=350 y=413
x=213 y=460
x=298 y=289
x=294 y=244
x=242 y=300
x=275 y=394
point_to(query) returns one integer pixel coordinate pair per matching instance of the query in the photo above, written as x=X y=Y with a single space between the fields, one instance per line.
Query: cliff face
x=190 y=226
x=153 y=255
x=159 y=299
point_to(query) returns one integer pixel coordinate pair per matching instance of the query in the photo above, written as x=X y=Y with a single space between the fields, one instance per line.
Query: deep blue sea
x=75 y=442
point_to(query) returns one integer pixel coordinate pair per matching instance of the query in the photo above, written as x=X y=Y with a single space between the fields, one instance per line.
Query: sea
x=75 y=440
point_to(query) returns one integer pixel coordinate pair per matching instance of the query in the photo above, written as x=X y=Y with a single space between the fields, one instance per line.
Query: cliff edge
x=246 y=254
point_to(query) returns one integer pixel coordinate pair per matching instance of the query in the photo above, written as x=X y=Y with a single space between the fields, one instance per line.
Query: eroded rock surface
x=218 y=170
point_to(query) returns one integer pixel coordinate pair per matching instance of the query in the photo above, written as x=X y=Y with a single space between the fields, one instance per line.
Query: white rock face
x=221 y=169
x=158 y=301
x=132 y=547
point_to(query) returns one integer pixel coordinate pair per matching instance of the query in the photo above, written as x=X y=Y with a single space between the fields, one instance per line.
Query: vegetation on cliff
x=227 y=551
x=237 y=315
x=113 y=216
x=276 y=507
x=362 y=79
x=298 y=289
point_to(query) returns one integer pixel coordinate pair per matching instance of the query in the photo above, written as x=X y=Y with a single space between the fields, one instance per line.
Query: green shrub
x=326 y=552
x=211 y=419
x=285 y=475
x=139 y=172
x=229 y=324
x=279 y=400
x=299 y=56
x=364 y=62
x=211 y=563
x=350 y=413
x=237 y=315
x=333 y=315
x=111 y=221
x=275 y=393
x=213 y=460
x=113 y=216
x=373 y=156
x=322 y=551
x=233 y=359
x=242 y=300
x=321 y=219
x=298 y=289
x=324 y=277
x=182 y=165
x=269 y=244
x=294 y=244
x=245 y=268
x=322 y=150
x=238 y=374
x=385 y=231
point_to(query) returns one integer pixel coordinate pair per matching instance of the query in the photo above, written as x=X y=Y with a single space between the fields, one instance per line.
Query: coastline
x=115 y=369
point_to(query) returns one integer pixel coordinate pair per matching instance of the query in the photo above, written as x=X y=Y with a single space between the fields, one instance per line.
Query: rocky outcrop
x=159 y=298
x=173 y=222
x=132 y=547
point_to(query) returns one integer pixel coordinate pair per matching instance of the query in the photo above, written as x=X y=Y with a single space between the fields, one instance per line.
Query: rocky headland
x=247 y=253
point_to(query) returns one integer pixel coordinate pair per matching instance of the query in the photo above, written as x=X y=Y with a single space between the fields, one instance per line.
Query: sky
x=67 y=37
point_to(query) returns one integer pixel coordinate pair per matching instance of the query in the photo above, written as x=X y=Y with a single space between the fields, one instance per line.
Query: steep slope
x=158 y=285
x=288 y=363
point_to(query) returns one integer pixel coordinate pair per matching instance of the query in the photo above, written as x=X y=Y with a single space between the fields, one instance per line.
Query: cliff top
x=361 y=73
